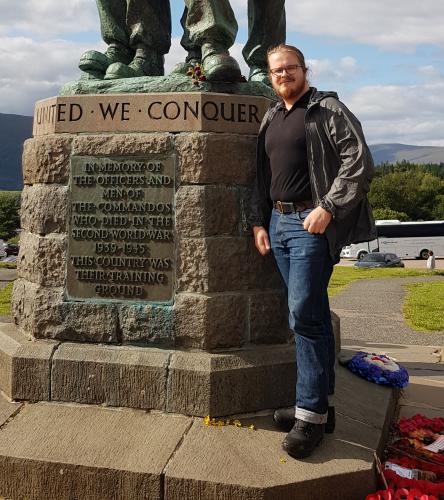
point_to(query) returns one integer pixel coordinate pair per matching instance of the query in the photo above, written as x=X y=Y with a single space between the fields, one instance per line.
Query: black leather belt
x=289 y=207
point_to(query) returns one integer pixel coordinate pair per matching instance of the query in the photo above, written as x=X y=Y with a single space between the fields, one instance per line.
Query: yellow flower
x=207 y=420
x=252 y=427
x=282 y=461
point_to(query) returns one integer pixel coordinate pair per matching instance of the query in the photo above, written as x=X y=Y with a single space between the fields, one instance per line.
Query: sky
x=384 y=58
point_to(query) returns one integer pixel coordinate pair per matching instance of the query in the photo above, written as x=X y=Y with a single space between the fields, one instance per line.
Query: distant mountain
x=393 y=153
x=14 y=130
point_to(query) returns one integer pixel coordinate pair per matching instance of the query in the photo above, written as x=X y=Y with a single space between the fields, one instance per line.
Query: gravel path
x=371 y=311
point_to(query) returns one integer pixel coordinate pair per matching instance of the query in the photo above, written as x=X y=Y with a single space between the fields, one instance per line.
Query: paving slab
x=355 y=396
x=63 y=451
x=242 y=464
x=408 y=411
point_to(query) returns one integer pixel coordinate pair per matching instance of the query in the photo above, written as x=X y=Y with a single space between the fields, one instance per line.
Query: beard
x=289 y=91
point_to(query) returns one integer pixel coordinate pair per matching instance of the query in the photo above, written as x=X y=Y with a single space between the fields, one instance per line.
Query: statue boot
x=258 y=74
x=194 y=57
x=218 y=65
x=145 y=63
x=95 y=64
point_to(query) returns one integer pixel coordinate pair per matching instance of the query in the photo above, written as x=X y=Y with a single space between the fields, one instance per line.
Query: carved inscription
x=121 y=234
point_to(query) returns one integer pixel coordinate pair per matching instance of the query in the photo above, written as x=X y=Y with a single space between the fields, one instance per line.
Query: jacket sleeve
x=356 y=169
x=260 y=203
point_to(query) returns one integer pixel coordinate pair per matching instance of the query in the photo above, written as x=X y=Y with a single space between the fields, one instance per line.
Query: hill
x=14 y=130
x=392 y=153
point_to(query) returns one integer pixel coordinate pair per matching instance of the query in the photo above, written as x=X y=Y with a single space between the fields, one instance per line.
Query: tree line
x=407 y=191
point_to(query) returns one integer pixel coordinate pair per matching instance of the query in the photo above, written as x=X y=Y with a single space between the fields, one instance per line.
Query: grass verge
x=424 y=306
x=5 y=300
x=343 y=276
x=8 y=265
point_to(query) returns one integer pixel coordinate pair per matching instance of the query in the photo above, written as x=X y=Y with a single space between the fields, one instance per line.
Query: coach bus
x=405 y=239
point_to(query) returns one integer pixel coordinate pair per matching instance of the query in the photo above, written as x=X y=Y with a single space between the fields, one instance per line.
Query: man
x=138 y=34
x=313 y=174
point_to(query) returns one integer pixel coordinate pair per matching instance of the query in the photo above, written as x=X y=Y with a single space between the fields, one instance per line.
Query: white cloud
x=48 y=18
x=31 y=70
x=397 y=24
x=411 y=114
x=343 y=69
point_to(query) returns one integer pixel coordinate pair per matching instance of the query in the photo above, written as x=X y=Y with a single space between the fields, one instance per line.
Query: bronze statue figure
x=138 y=35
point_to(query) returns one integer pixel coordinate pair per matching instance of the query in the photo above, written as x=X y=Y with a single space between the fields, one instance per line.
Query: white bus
x=405 y=239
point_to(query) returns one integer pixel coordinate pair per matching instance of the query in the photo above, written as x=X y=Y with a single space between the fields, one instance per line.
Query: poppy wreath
x=401 y=494
x=379 y=369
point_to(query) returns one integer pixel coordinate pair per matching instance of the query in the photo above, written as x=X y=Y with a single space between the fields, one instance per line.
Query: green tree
x=9 y=213
x=389 y=214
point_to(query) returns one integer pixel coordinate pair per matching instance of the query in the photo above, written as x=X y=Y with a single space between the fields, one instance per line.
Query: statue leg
x=211 y=25
x=266 y=28
x=194 y=53
x=149 y=26
x=115 y=34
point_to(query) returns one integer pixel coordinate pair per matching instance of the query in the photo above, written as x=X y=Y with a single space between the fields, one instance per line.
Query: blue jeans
x=305 y=264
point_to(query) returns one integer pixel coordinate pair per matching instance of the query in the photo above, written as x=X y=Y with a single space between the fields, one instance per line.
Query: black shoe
x=285 y=419
x=303 y=439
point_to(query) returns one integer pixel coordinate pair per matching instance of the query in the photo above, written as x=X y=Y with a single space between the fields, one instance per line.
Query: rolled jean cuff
x=310 y=416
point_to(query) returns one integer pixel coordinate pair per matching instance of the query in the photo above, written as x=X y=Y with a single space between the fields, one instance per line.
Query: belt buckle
x=280 y=207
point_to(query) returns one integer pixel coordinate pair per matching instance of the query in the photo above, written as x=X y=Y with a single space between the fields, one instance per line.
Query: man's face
x=287 y=86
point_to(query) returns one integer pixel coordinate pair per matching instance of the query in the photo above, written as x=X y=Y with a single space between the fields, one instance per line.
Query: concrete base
x=186 y=382
x=62 y=451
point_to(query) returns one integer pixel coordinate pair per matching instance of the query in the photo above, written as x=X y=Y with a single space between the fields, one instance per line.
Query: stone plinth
x=136 y=236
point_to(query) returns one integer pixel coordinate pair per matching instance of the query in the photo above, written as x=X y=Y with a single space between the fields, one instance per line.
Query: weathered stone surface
x=210 y=321
x=232 y=382
x=216 y=158
x=42 y=259
x=40 y=311
x=152 y=324
x=61 y=452
x=46 y=159
x=262 y=271
x=236 y=463
x=269 y=318
x=114 y=375
x=206 y=211
x=44 y=208
x=123 y=144
x=212 y=264
x=24 y=365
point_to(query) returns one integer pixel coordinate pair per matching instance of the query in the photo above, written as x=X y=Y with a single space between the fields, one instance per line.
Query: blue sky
x=384 y=58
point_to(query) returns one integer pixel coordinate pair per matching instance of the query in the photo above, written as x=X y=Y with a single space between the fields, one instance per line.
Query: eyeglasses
x=290 y=70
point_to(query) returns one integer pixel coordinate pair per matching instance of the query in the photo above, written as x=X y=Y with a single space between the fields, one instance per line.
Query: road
x=409 y=263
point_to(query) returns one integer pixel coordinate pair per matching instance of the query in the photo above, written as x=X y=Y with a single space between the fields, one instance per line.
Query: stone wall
x=226 y=295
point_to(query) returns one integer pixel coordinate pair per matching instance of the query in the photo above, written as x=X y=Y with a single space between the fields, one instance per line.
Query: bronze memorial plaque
x=121 y=234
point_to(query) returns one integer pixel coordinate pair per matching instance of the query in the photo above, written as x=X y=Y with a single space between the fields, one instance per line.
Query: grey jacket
x=340 y=168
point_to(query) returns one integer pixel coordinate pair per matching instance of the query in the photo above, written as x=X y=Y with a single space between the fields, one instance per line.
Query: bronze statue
x=138 y=35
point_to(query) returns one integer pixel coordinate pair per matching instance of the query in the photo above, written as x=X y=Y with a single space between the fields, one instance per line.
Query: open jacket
x=340 y=168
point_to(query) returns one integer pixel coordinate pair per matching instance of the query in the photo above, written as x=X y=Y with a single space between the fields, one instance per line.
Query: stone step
x=188 y=382
x=63 y=451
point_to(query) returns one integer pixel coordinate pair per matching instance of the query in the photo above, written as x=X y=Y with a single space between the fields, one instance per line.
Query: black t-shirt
x=286 y=147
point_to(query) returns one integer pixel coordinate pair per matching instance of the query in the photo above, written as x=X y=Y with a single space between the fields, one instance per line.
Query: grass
x=8 y=265
x=343 y=276
x=5 y=300
x=424 y=306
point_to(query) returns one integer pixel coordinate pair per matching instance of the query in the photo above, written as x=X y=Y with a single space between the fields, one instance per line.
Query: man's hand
x=261 y=240
x=317 y=221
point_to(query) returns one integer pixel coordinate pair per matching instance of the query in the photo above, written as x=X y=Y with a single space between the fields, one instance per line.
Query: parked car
x=378 y=259
x=11 y=249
